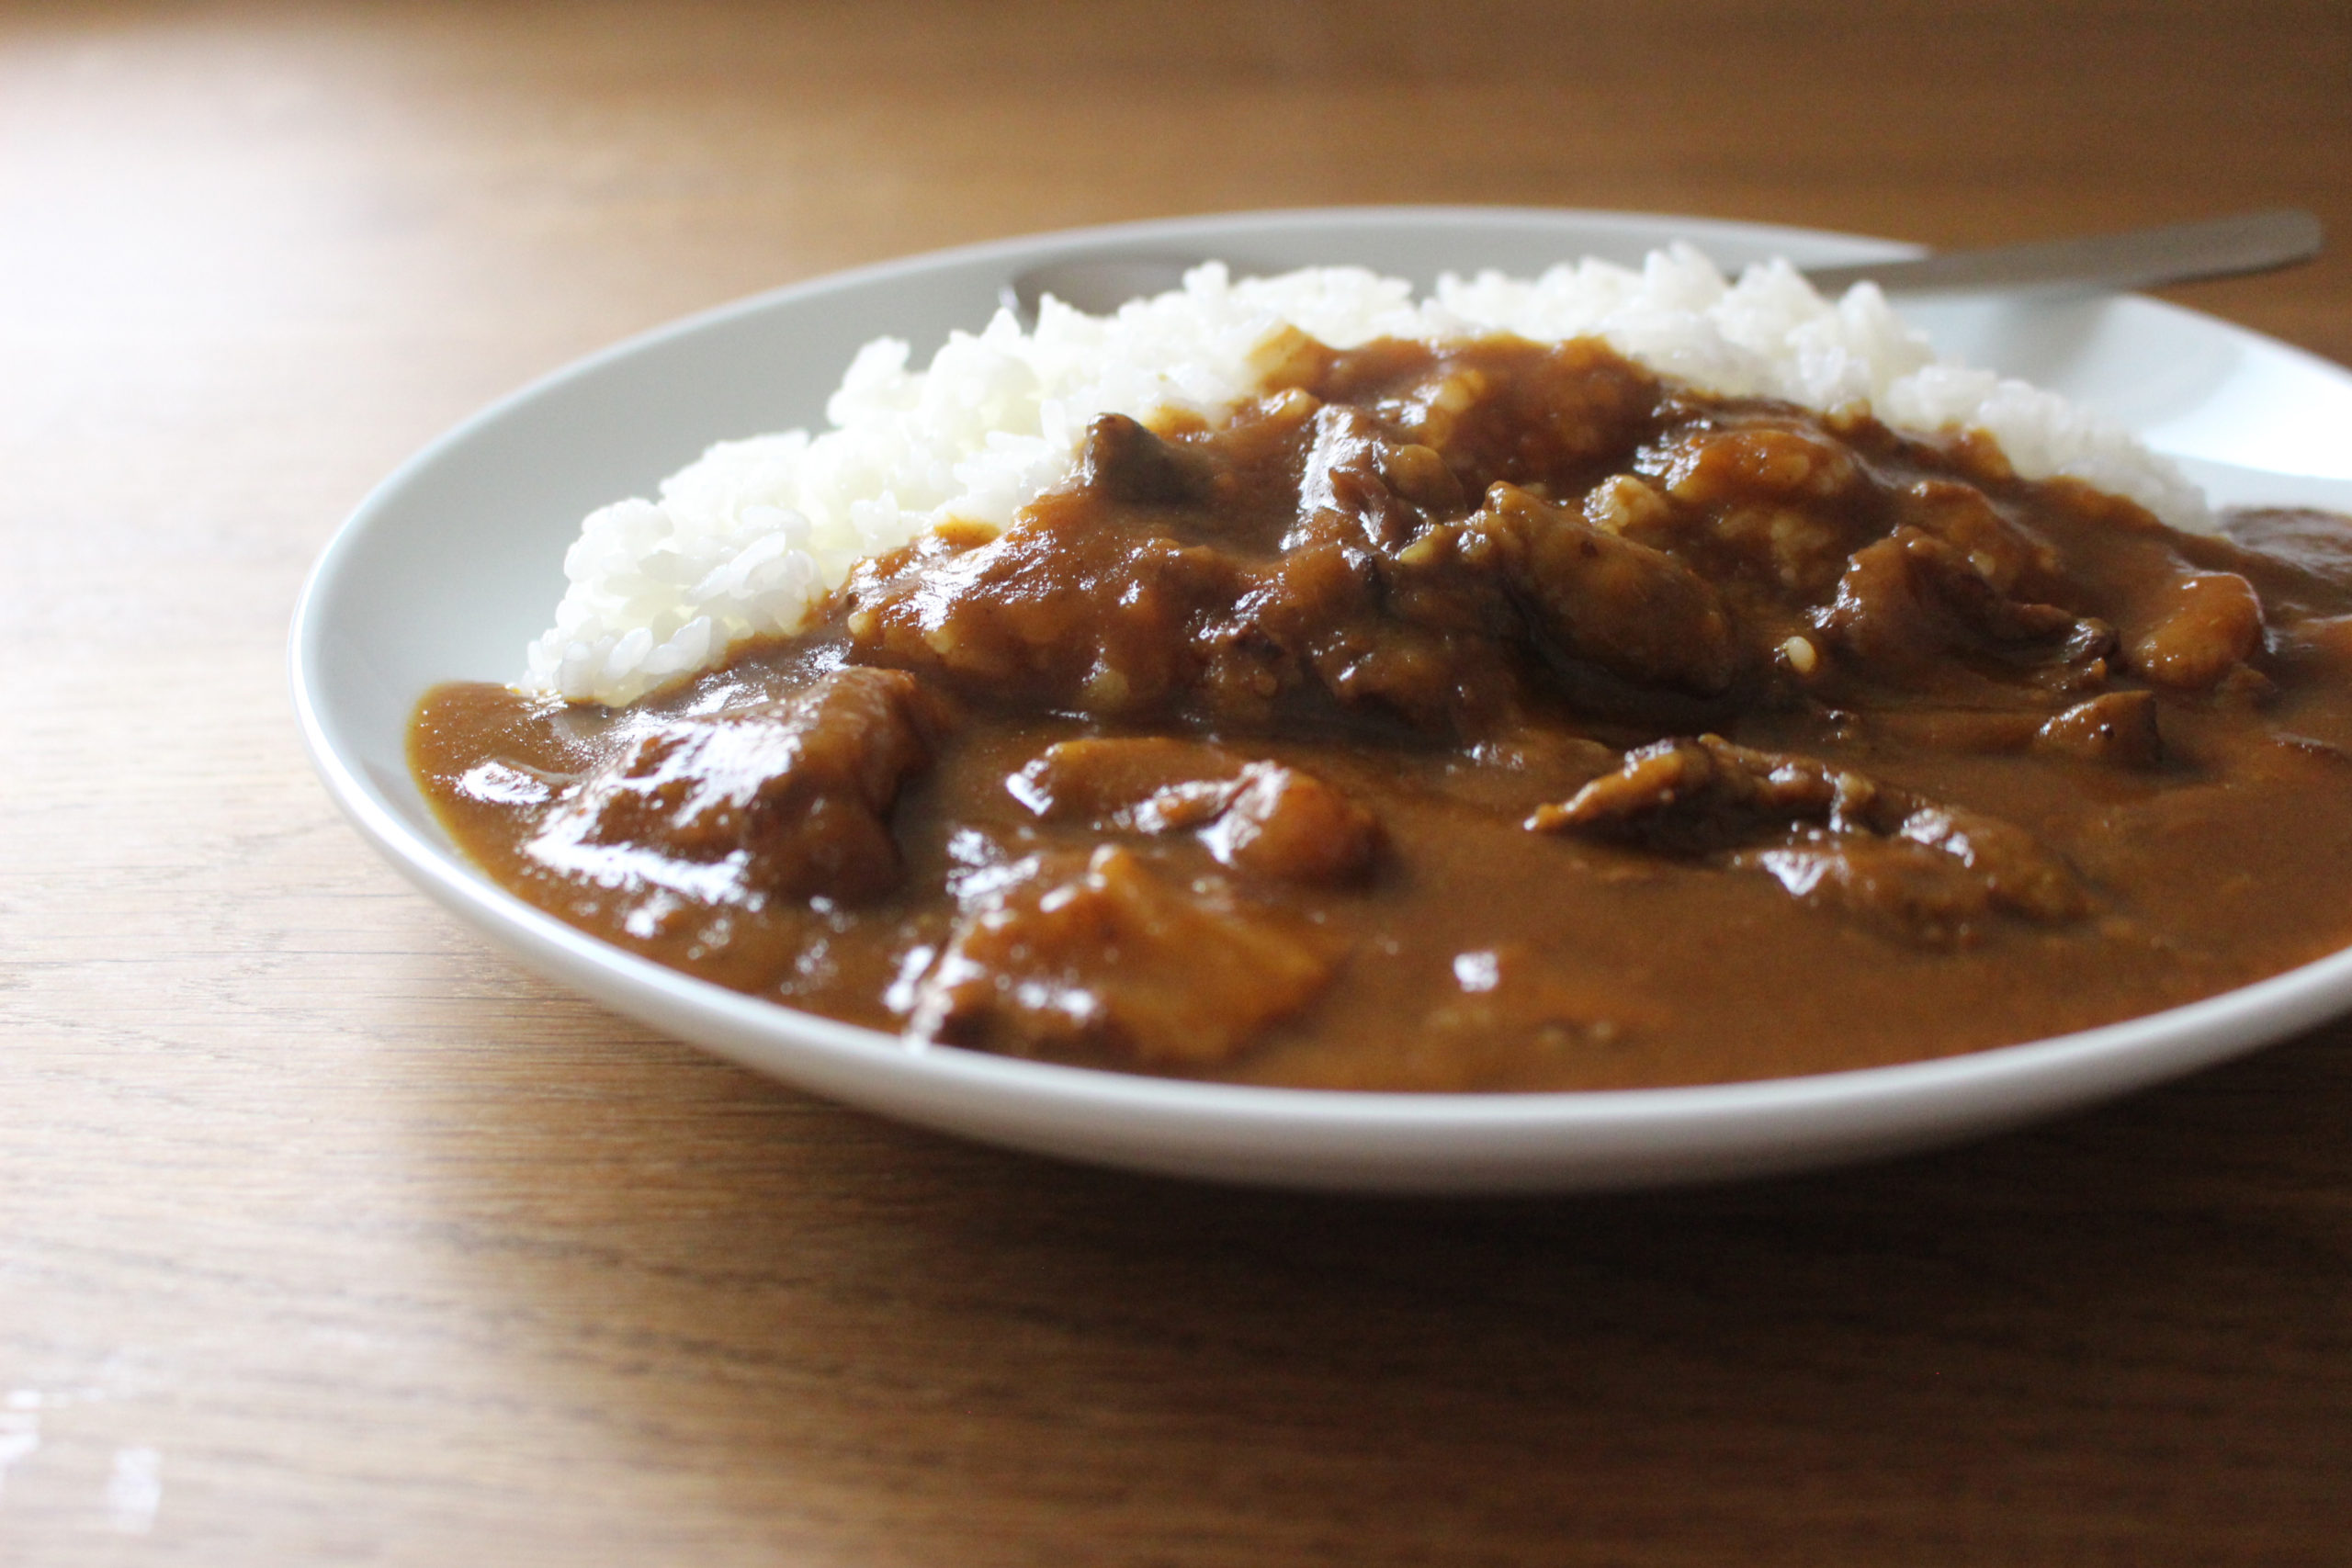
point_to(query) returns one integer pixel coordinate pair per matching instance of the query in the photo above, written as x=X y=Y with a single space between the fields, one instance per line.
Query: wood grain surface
x=328 y=1235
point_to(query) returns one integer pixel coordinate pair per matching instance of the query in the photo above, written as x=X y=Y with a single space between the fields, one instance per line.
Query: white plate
x=456 y=561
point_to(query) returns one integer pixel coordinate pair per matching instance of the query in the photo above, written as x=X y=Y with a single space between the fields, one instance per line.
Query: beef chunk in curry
x=1491 y=716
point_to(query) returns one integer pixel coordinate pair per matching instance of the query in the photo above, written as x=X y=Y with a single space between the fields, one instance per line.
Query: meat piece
x=1370 y=597
x=2003 y=554
x=1906 y=889
x=1912 y=599
x=1771 y=506
x=2210 y=624
x=1287 y=824
x=2019 y=874
x=1928 y=873
x=1544 y=419
x=1829 y=835
x=1696 y=795
x=1149 y=783
x=1349 y=491
x=791 y=799
x=1422 y=637
x=1718 y=467
x=1631 y=610
x=1125 y=462
x=1101 y=620
x=1256 y=817
x=2115 y=726
x=1108 y=960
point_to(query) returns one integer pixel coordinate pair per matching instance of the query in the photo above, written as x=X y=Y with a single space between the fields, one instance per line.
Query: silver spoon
x=2139 y=258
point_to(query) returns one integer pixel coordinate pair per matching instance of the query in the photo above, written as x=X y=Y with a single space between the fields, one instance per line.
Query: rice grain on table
x=745 y=541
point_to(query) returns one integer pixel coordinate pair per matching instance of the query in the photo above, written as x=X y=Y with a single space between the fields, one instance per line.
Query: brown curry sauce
x=1497 y=716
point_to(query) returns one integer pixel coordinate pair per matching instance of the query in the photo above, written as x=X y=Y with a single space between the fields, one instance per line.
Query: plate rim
x=1347 y=1139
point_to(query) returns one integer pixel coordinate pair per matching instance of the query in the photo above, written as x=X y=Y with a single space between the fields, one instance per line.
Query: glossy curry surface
x=1496 y=716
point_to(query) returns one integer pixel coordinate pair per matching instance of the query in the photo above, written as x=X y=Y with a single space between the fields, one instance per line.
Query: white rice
x=747 y=539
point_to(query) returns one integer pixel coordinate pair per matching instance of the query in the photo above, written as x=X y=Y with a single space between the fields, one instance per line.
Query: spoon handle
x=2143 y=258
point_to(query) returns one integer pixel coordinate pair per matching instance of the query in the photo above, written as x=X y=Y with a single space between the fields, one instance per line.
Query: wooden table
x=327 y=1236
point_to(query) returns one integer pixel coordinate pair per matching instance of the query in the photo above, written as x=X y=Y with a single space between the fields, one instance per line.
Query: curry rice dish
x=1469 y=712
